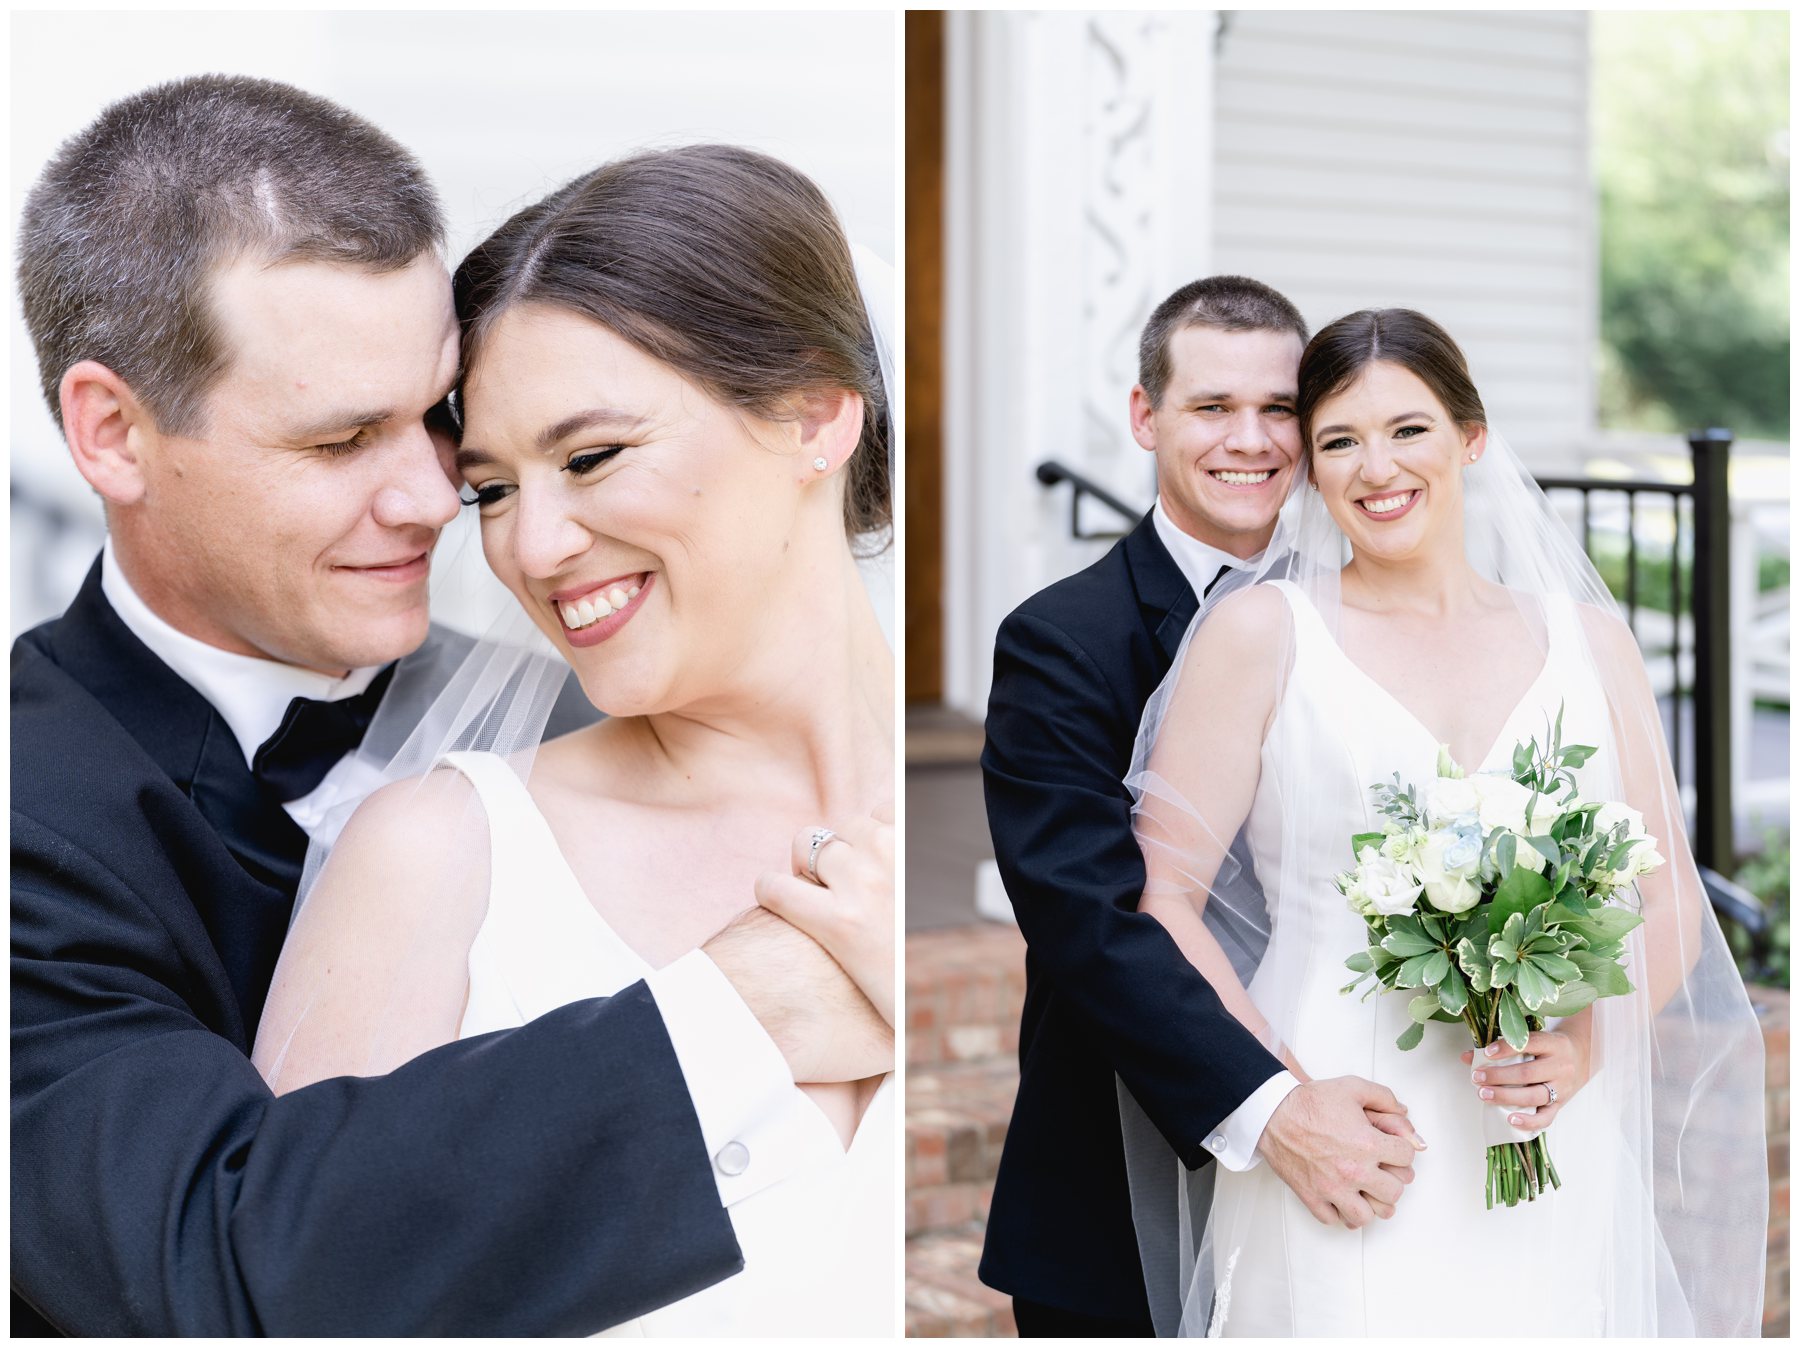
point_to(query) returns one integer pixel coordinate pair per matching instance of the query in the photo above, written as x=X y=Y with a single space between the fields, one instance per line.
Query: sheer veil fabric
x=1666 y=1172
x=496 y=698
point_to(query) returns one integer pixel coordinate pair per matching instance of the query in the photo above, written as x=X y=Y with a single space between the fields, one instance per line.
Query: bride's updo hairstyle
x=1342 y=350
x=723 y=263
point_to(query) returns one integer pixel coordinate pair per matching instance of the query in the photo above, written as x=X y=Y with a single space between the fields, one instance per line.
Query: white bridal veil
x=1677 y=1065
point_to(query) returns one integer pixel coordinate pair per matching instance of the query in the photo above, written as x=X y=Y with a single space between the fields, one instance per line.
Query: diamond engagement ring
x=820 y=836
x=1552 y=1099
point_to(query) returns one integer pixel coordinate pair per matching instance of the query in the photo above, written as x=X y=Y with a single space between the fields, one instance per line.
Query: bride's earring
x=821 y=463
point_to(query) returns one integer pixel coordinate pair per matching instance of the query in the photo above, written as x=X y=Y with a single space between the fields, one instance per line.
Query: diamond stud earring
x=821 y=464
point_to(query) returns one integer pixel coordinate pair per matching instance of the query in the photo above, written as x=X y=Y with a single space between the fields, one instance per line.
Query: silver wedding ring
x=820 y=836
x=1552 y=1099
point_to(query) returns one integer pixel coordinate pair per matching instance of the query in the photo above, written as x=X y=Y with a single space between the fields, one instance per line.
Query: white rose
x=1403 y=846
x=1386 y=886
x=1504 y=804
x=1453 y=894
x=1450 y=887
x=1448 y=798
x=1615 y=812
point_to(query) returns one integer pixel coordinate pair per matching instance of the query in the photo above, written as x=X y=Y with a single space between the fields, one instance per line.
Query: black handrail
x=1051 y=474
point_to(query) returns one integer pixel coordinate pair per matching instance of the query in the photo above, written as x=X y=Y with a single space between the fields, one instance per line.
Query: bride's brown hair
x=1342 y=350
x=726 y=264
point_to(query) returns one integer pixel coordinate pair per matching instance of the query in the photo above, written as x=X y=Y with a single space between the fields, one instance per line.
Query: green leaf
x=1437 y=964
x=1506 y=853
x=1534 y=988
x=1362 y=961
x=1410 y=1036
x=1520 y=892
x=1570 y=998
x=1512 y=1024
x=1521 y=761
x=1555 y=967
x=1423 y=1008
x=1548 y=848
x=1407 y=943
x=1577 y=755
x=1412 y=973
x=1607 y=978
x=1433 y=925
x=1453 y=993
x=1358 y=841
x=1608 y=923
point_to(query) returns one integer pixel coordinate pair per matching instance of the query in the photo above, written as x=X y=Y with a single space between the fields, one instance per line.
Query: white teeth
x=592 y=608
x=1387 y=504
x=1245 y=479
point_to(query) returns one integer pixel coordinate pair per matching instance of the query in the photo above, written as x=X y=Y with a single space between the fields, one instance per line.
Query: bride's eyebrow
x=594 y=418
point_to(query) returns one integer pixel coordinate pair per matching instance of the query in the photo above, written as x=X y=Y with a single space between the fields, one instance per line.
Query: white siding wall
x=1436 y=161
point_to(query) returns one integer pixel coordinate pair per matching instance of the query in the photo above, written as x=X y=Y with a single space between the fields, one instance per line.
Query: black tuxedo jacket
x=545 y=1180
x=1106 y=989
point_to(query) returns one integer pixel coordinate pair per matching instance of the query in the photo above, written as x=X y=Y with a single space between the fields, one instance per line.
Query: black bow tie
x=313 y=736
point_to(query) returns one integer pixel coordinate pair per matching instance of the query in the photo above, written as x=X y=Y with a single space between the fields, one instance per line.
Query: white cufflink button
x=1216 y=1145
x=733 y=1158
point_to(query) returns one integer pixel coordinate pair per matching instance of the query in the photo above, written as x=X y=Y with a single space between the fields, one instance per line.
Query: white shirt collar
x=252 y=694
x=1200 y=562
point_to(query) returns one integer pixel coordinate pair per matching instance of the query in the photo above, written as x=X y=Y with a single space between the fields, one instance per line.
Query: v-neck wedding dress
x=1443 y=1264
x=819 y=1246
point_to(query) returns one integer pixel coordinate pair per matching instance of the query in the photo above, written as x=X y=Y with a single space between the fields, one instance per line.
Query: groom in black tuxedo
x=1108 y=993
x=243 y=325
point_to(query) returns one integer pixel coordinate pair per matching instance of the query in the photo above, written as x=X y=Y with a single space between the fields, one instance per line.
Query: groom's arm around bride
x=1108 y=992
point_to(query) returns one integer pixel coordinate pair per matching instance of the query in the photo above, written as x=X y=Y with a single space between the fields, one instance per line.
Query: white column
x=1078 y=168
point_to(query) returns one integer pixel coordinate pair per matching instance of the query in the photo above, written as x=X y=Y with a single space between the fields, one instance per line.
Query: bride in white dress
x=673 y=431
x=1419 y=594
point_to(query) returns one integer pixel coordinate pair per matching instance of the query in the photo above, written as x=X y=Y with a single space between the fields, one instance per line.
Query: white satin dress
x=1444 y=1265
x=819 y=1246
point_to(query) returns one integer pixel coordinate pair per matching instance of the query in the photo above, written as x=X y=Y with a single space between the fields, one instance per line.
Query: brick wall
x=1772 y=1008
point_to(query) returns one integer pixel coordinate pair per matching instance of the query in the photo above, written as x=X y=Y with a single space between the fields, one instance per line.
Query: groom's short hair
x=1229 y=303
x=126 y=225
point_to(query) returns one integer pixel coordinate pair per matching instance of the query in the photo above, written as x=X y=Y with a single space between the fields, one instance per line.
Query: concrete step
x=944 y=1299
x=965 y=988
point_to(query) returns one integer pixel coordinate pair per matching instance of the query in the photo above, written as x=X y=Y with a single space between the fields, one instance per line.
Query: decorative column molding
x=1078 y=190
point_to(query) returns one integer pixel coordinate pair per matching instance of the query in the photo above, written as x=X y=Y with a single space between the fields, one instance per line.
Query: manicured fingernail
x=1487 y=1092
x=1493 y=1050
x=1518 y=1119
x=1478 y=1077
x=1418 y=1142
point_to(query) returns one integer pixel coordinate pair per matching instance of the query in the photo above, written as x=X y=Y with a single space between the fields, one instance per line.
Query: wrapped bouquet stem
x=1500 y=901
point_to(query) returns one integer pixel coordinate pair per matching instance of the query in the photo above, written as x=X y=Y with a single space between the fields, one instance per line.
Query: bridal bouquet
x=1501 y=900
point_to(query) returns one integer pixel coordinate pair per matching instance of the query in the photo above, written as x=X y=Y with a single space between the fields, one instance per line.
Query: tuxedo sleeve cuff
x=753 y=1121
x=1233 y=1142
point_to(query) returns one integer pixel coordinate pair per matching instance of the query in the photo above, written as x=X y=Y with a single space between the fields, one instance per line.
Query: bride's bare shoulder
x=1256 y=619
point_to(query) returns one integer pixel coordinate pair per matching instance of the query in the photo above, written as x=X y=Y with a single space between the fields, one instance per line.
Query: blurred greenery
x=1766 y=876
x=1691 y=152
x=1608 y=554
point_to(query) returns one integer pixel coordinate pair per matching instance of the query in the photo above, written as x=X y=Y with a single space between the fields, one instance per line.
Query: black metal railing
x=1708 y=594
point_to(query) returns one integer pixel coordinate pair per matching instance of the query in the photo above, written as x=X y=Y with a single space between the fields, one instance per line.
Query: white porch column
x=1078 y=194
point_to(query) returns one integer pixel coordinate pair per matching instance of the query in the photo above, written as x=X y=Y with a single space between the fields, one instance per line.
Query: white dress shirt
x=736 y=1077
x=251 y=694
x=1233 y=1142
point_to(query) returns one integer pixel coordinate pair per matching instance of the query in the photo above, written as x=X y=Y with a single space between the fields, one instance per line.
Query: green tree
x=1691 y=153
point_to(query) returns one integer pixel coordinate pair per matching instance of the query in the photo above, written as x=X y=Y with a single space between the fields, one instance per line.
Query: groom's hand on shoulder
x=1345 y=1147
x=817 y=1016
